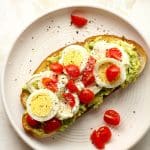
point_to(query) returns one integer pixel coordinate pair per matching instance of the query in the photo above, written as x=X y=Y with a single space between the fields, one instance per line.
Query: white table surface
x=16 y=14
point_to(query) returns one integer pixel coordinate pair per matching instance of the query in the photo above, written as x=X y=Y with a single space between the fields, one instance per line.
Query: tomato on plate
x=86 y=96
x=51 y=125
x=112 y=72
x=33 y=123
x=71 y=86
x=69 y=98
x=87 y=75
x=78 y=21
x=114 y=53
x=49 y=84
x=112 y=117
x=73 y=71
x=56 y=67
x=101 y=136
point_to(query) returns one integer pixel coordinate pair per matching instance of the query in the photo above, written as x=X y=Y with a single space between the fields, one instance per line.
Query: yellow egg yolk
x=41 y=105
x=102 y=73
x=73 y=57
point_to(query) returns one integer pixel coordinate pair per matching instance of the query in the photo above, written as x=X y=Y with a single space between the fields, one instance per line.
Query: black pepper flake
x=30 y=71
x=77 y=32
x=98 y=28
x=30 y=60
x=58 y=27
x=32 y=49
x=32 y=37
x=53 y=138
x=15 y=79
x=52 y=20
x=134 y=111
x=101 y=25
x=104 y=30
x=49 y=27
x=91 y=128
x=90 y=21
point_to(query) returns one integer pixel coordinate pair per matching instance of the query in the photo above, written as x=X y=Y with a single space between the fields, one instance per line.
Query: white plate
x=53 y=31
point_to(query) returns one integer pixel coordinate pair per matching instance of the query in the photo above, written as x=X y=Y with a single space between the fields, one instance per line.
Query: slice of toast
x=99 y=97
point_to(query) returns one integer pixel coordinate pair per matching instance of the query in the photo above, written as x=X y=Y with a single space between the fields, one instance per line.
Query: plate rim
x=100 y=7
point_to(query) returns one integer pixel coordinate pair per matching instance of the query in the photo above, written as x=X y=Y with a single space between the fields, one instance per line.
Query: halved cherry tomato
x=112 y=72
x=96 y=140
x=51 y=125
x=87 y=75
x=112 y=117
x=114 y=53
x=72 y=70
x=49 y=84
x=33 y=123
x=71 y=86
x=56 y=67
x=70 y=99
x=86 y=96
x=101 y=136
x=78 y=20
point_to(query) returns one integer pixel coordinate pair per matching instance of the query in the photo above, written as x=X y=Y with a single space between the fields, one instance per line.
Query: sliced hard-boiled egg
x=65 y=111
x=100 y=73
x=35 y=81
x=42 y=105
x=62 y=81
x=101 y=47
x=76 y=55
x=94 y=87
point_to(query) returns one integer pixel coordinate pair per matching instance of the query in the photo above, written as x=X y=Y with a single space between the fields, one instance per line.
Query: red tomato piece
x=90 y=64
x=71 y=86
x=114 y=53
x=86 y=96
x=96 y=140
x=87 y=75
x=78 y=20
x=88 y=78
x=51 y=125
x=56 y=67
x=101 y=136
x=33 y=123
x=70 y=99
x=49 y=84
x=112 y=117
x=112 y=72
x=73 y=71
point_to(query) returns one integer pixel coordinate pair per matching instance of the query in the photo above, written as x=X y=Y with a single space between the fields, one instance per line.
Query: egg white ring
x=45 y=74
x=94 y=88
x=113 y=61
x=37 y=78
x=81 y=49
x=100 y=48
x=62 y=81
x=65 y=111
x=53 y=99
x=33 y=79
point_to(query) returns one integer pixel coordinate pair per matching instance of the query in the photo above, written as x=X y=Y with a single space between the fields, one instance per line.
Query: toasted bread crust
x=141 y=53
